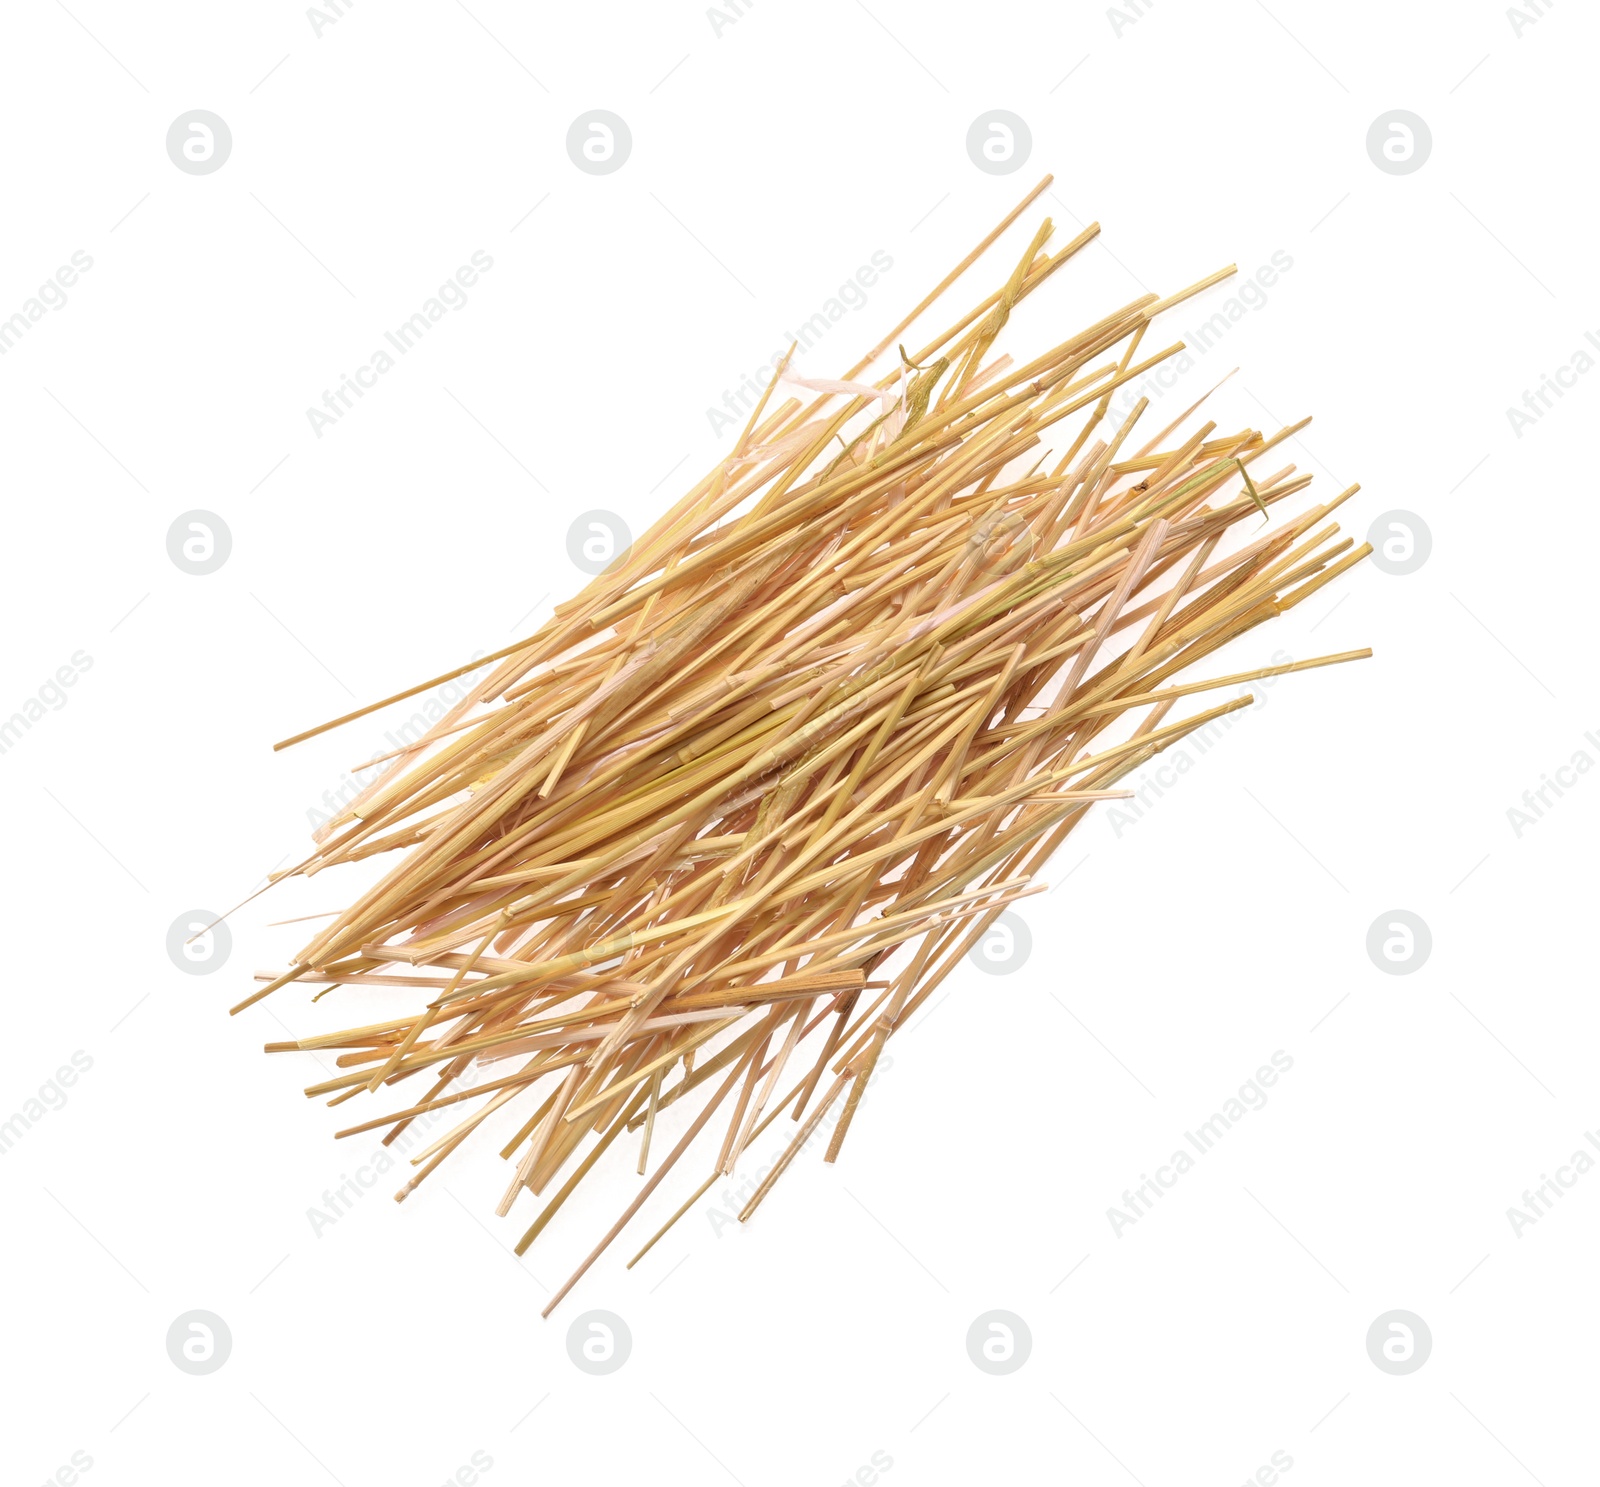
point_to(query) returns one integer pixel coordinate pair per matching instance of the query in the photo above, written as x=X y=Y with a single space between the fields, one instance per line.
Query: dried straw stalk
x=735 y=811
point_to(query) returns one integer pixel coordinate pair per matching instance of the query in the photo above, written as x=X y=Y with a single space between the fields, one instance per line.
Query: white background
x=769 y=161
